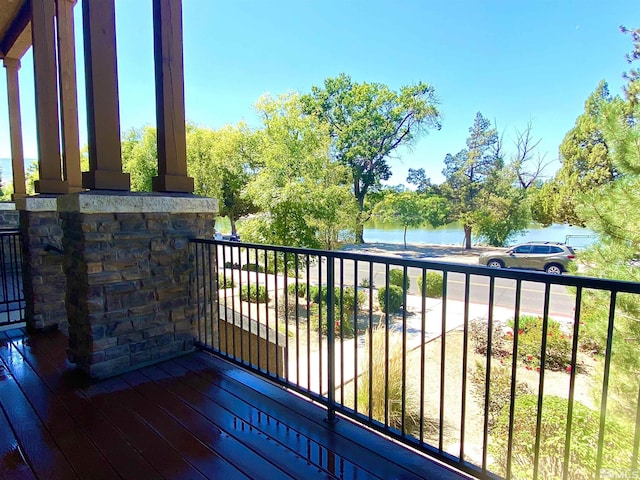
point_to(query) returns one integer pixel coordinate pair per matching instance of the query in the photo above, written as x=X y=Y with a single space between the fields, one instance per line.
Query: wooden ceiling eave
x=15 y=34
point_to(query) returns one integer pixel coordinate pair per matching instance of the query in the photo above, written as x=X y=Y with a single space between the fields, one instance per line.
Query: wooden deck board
x=192 y=417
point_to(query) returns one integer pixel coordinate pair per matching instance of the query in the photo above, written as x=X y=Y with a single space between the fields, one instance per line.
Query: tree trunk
x=467 y=237
x=359 y=220
x=405 y=237
x=359 y=232
x=233 y=225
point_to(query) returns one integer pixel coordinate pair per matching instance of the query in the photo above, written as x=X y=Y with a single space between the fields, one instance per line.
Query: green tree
x=613 y=212
x=222 y=163
x=468 y=173
x=303 y=194
x=140 y=157
x=584 y=154
x=412 y=209
x=502 y=208
x=367 y=123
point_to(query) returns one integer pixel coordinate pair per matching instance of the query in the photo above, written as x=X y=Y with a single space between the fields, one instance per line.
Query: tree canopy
x=612 y=210
x=367 y=122
x=468 y=171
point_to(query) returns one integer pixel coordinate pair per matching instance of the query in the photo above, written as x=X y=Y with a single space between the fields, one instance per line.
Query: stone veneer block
x=9 y=216
x=43 y=276
x=128 y=266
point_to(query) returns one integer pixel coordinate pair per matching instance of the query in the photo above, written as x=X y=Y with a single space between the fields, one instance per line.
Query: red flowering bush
x=558 y=348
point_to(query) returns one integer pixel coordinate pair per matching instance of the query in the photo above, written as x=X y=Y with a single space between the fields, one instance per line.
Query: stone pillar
x=43 y=276
x=68 y=95
x=128 y=266
x=15 y=127
x=46 y=88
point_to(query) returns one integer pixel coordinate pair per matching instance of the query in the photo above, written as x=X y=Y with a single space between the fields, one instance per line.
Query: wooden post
x=68 y=95
x=46 y=81
x=103 y=113
x=170 y=113
x=15 y=127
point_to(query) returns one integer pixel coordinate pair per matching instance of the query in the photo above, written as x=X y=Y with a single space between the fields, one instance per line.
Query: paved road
x=561 y=301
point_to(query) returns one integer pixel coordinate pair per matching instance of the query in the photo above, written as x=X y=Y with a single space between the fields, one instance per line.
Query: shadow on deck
x=192 y=417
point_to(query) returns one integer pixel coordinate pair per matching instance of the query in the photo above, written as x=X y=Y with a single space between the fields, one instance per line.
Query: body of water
x=453 y=234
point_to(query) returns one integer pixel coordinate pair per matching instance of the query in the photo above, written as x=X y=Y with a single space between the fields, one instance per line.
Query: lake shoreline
x=421 y=251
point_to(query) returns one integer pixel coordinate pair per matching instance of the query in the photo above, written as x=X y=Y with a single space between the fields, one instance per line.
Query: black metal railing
x=11 y=292
x=496 y=372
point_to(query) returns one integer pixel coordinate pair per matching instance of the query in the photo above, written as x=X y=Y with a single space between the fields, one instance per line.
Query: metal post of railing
x=331 y=350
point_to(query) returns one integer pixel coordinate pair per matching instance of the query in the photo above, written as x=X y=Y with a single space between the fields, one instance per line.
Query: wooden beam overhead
x=16 y=27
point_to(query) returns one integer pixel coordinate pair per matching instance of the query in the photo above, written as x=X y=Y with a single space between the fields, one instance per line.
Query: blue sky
x=514 y=61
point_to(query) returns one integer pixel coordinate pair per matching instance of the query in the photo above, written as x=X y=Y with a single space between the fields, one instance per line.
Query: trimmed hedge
x=395 y=298
x=254 y=293
x=434 y=285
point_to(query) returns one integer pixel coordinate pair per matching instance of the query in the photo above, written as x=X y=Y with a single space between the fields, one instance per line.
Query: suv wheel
x=553 y=269
x=493 y=263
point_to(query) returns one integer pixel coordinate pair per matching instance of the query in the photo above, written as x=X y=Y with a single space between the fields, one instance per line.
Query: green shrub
x=499 y=389
x=319 y=295
x=254 y=293
x=396 y=277
x=235 y=265
x=395 y=298
x=434 y=285
x=558 y=353
x=617 y=450
x=344 y=328
x=365 y=283
x=225 y=282
x=479 y=334
x=297 y=289
x=252 y=267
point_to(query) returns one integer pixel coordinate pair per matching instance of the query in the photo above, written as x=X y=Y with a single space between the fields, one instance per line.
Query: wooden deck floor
x=194 y=417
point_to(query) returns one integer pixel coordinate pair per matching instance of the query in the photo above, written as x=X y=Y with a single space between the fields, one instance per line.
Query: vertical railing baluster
x=485 y=427
x=386 y=345
x=296 y=307
x=266 y=318
x=370 y=356
x=199 y=294
x=247 y=361
x=465 y=363
x=605 y=382
x=331 y=413
x=341 y=332
x=572 y=382
x=308 y=297
x=355 y=336
x=443 y=356
x=276 y=332
x=423 y=360
x=233 y=306
x=543 y=359
x=214 y=298
x=403 y=388
x=226 y=306
x=320 y=356
x=514 y=368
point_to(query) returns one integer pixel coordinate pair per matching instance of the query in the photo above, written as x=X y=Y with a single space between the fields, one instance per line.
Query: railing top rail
x=531 y=276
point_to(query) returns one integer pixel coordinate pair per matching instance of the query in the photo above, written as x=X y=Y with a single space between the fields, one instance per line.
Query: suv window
x=555 y=250
x=522 y=249
x=544 y=249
